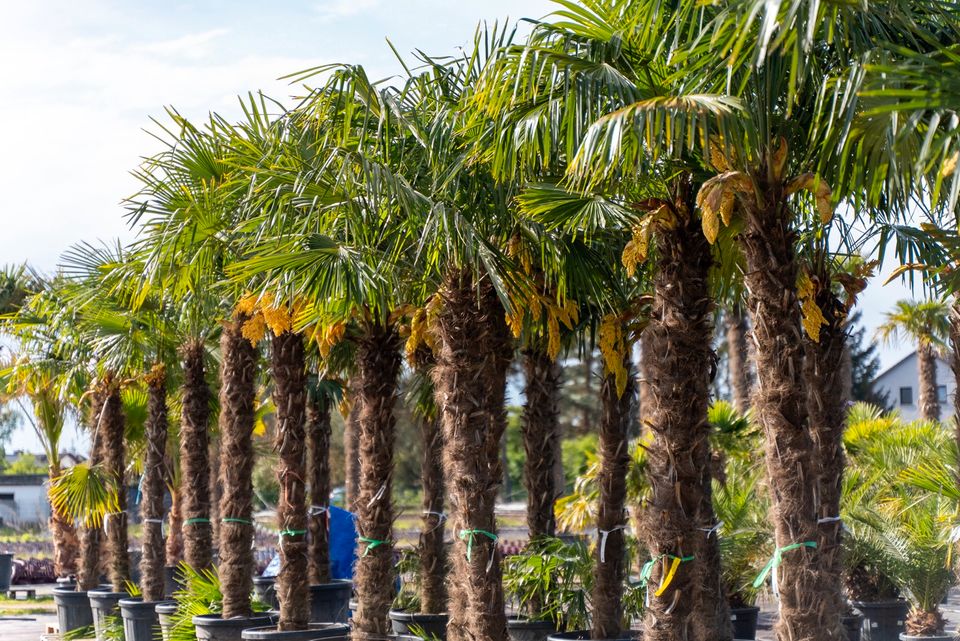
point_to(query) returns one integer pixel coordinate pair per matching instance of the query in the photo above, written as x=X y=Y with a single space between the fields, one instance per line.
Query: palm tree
x=927 y=324
x=322 y=394
x=738 y=357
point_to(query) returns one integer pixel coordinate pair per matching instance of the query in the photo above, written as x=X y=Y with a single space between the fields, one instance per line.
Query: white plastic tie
x=317 y=510
x=829 y=519
x=106 y=520
x=604 y=534
x=712 y=531
x=160 y=521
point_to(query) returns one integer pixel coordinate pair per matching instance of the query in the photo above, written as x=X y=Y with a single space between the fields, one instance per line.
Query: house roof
x=902 y=361
x=22 y=479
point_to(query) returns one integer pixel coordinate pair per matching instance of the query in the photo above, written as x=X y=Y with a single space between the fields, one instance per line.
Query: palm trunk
x=779 y=403
x=115 y=526
x=927 y=369
x=470 y=382
x=195 y=459
x=318 y=444
x=174 y=551
x=289 y=368
x=610 y=564
x=827 y=408
x=678 y=515
x=433 y=562
x=738 y=360
x=65 y=542
x=378 y=361
x=151 y=504
x=541 y=416
x=351 y=447
x=214 y=488
x=88 y=571
x=955 y=366
x=647 y=371
x=238 y=372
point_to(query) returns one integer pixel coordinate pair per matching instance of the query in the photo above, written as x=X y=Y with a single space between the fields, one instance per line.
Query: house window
x=906 y=396
x=942 y=393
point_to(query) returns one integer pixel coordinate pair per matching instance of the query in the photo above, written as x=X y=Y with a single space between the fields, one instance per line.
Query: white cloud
x=191 y=45
x=331 y=10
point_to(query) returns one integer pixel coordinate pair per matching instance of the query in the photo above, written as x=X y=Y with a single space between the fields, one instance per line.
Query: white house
x=901 y=385
x=23 y=499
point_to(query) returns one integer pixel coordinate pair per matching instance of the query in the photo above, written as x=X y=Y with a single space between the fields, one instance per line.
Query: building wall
x=23 y=500
x=904 y=375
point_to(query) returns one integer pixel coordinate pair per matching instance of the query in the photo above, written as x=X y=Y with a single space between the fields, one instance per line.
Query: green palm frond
x=85 y=493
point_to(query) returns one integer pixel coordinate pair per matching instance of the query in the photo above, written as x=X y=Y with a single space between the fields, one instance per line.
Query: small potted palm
x=407 y=617
x=544 y=583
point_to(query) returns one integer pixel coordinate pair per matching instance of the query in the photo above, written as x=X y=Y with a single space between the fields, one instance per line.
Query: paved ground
x=29 y=627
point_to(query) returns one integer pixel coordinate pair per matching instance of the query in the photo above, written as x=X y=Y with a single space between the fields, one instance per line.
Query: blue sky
x=80 y=81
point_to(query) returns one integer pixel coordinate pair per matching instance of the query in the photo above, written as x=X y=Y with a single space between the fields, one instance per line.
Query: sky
x=81 y=81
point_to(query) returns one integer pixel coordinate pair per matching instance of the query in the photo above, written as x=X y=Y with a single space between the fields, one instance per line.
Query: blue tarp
x=343 y=546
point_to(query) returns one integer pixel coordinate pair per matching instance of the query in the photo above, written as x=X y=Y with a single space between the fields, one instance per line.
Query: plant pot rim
x=64 y=591
x=745 y=608
x=584 y=635
x=271 y=632
x=107 y=594
x=166 y=607
x=929 y=637
x=336 y=584
x=516 y=621
x=897 y=601
x=217 y=621
x=406 y=615
x=137 y=601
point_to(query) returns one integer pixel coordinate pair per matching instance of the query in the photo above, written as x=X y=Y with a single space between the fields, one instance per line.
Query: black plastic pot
x=6 y=571
x=744 y=622
x=104 y=603
x=67 y=582
x=73 y=609
x=211 y=627
x=330 y=602
x=882 y=620
x=942 y=637
x=431 y=625
x=315 y=631
x=523 y=629
x=852 y=623
x=265 y=590
x=165 y=611
x=139 y=619
x=584 y=635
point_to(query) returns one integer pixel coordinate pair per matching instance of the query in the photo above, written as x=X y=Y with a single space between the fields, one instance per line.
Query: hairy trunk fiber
x=779 y=403
x=214 y=488
x=927 y=366
x=955 y=366
x=351 y=446
x=174 y=528
x=378 y=360
x=827 y=409
x=195 y=459
x=678 y=520
x=289 y=369
x=318 y=452
x=88 y=572
x=65 y=542
x=238 y=372
x=469 y=383
x=540 y=432
x=647 y=368
x=738 y=359
x=433 y=562
x=154 y=473
x=115 y=526
x=610 y=564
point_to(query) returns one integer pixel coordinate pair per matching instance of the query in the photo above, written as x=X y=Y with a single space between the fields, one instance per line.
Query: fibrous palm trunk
x=288 y=366
x=927 y=370
x=195 y=458
x=115 y=525
x=610 y=563
x=238 y=372
x=214 y=488
x=88 y=570
x=678 y=521
x=540 y=432
x=378 y=362
x=646 y=371
x=65 y=542
x=318 y=448
x=738 y=360
x=779 y=404
x=955 y=366
x=827 y=408
x=433 y=561
x=154 y=473
x=351 y=447
x=469 y=384
x=174 y=550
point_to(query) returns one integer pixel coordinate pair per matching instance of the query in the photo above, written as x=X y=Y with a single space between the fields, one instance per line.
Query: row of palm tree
x=619 y=172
